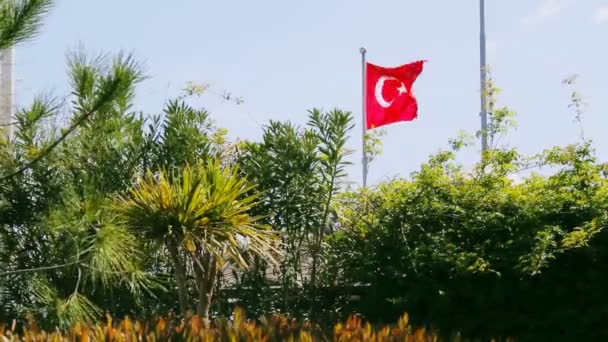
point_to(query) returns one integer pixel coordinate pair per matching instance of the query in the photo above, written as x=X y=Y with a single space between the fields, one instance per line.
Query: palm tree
x=201 y=217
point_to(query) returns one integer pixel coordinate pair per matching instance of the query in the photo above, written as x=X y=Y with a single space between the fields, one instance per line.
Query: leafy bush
x=480 y=252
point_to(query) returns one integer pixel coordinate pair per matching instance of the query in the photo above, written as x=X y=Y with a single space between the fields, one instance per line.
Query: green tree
x=299 y=172
x=285 y=165
x=332 y=130
x=201 y=217
x=60 y=241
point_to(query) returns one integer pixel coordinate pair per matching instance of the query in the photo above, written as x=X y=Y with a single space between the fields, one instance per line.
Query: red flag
x=388 y=93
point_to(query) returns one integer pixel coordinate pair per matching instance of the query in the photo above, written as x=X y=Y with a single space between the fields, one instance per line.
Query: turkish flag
x=388 y=94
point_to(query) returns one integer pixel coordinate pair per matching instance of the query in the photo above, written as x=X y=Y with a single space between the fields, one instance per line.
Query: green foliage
x=332 y=130
x=299 y=172
x=186 y=137
x=480 y=246
x=53 y=218
x=577 y=103
x=373 y=143
x=285 y=166
x=202 y=216
x=500 y=120
x=204 y=208
x=56 y=222
x=64 y=312
x=21 y=20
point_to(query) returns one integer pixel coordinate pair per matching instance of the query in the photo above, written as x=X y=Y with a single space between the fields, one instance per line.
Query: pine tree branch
x=102 y=101
x=20 y=20
x=9 y=124
x=39 y=269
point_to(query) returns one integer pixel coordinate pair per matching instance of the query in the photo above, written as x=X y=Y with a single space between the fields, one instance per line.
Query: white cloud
x=547 y=9
x=601 y=15
x=550 y=8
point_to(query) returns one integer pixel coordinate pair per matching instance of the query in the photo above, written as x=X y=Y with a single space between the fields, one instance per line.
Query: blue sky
x=284 y=58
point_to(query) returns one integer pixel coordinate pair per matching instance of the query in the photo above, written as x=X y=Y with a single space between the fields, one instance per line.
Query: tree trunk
x=206 y=284
x=180 y=276
x=285 y=285
x=201 y=264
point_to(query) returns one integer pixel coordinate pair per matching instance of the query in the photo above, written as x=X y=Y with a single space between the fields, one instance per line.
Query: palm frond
x=205 y=204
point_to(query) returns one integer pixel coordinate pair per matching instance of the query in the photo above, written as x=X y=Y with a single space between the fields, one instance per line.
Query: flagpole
x=483 y=66
x=363 y=51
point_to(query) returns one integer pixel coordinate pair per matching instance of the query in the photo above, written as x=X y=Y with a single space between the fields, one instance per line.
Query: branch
x=77 y=282
x=21 y=20
x=38 y=269
x=48 y=268
x=9 y=124
x=100 y=103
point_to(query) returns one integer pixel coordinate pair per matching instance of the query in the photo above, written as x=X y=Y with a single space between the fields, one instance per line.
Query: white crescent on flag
x=380 y=86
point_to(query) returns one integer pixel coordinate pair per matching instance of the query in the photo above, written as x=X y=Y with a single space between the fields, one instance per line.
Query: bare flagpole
x=483 y=66
x=363 y=115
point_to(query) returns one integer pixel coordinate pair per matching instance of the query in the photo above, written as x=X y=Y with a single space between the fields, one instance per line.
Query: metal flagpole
x=363 y=114
x=483 y=66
